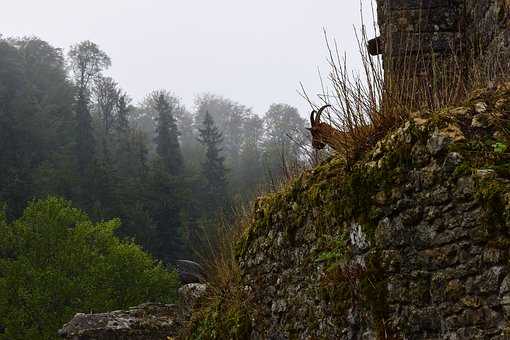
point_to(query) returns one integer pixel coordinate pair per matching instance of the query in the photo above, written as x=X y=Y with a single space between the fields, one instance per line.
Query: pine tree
x=122 y=122
x=167 y=142
x=213 y=167
x=165 y=182
x=87 y=62
x=85 y=142
x=165 y=197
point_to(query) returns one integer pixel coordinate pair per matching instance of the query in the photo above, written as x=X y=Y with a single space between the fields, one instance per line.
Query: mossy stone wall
x=410 y=243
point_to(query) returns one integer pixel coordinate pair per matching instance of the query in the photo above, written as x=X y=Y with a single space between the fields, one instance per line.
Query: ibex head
x=316 y=128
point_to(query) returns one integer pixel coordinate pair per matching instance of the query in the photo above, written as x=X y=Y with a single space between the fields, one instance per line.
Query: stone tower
x=442 y=29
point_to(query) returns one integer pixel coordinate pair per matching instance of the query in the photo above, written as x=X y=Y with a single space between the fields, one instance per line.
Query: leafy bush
x=55 y=262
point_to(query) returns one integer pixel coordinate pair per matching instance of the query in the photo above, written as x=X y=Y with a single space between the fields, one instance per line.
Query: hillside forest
x=100 y=194
x=166 y=171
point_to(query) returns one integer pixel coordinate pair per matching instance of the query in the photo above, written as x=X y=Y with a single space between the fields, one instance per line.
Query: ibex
x=324 y=134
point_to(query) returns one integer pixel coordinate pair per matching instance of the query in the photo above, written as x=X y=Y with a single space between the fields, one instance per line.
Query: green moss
x=374 y=292
x=491 y=194
x=339 y=290
x=221 y=319
x=463 y=169
x=336 y=290
x=481 y=154
x=333 y=192
x=334 y=251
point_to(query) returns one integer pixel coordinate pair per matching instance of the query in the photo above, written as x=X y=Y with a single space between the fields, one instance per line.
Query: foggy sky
x=253 y=51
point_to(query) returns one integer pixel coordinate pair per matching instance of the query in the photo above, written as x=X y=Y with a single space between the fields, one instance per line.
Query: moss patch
x=221 y=318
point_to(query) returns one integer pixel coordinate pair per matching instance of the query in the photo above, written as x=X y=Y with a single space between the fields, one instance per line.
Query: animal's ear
x=318 y=117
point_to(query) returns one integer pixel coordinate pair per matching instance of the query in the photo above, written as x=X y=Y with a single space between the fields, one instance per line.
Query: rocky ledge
x=143 y=322
x=148 y=321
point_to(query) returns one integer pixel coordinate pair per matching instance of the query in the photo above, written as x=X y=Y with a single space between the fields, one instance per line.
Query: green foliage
x=87 y=62
x=55 y=262
x=334 y=250
x=35 y=115
x=68 y=130
x=499 y=147
x=463 y=169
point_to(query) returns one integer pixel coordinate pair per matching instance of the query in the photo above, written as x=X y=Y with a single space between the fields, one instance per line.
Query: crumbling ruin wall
x=411 y=243
x=464 y=28
x=488 y=26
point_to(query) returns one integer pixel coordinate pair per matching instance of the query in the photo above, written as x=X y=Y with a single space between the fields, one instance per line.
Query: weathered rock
x=190 y=293
x=481 y=107
x=189 y=297
x=144 y=322
x=437 y=142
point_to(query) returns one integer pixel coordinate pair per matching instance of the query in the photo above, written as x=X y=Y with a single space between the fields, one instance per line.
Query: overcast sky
x=253 y=51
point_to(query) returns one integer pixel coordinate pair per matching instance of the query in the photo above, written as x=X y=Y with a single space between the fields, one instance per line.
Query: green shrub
x=55 y=262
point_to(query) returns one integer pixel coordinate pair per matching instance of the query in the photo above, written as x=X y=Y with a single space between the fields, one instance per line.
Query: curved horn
x=312 y=120
x=318 y=117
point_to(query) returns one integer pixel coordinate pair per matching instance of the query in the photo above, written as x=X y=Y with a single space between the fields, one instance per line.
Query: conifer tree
x=165 y=196
x=87 y=61
x=213 y=167
x=167 y=137
x=122 y=122
x=165 y=182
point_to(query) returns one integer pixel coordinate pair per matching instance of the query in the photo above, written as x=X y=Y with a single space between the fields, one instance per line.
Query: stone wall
x=411 y=243
x=488 y=26
x=410 y=26
x=465 y=28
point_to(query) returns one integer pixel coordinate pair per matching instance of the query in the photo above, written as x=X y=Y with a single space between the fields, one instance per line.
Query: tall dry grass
x=223 y=311
x=218 y=257
x=369 y=103
x=366 y=105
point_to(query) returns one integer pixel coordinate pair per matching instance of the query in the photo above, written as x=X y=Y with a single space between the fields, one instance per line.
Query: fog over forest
x=132 y=132
x=255 y=53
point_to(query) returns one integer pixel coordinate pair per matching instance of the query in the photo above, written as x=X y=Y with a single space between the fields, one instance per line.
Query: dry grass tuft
x=223 y=311
x=368 y=104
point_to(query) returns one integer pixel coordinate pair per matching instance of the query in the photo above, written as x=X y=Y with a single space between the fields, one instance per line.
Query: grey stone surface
x=443 y=28
x=144 y=322
x=445 y=274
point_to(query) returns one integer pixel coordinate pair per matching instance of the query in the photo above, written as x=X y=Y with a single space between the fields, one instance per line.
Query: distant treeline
x=167 y=172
